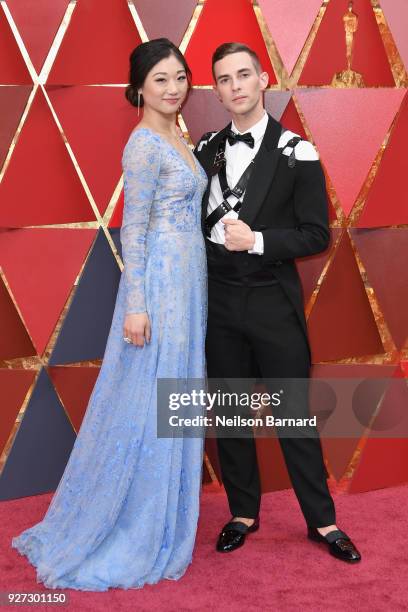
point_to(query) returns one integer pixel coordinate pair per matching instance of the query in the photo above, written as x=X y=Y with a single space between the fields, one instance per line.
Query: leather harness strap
x=219 y=167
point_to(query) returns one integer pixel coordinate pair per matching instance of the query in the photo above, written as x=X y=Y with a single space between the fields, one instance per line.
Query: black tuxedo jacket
x=288 y=205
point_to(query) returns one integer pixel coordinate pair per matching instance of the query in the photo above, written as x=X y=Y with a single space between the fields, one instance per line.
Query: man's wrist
x=258 y=245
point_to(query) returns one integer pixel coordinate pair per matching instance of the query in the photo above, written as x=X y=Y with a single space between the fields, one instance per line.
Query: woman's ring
x=126 y=339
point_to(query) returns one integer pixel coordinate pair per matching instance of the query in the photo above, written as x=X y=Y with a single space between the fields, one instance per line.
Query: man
x=257 y=218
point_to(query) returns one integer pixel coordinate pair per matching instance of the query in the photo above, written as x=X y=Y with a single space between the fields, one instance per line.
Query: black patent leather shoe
x=233 y=535
x=338 y=542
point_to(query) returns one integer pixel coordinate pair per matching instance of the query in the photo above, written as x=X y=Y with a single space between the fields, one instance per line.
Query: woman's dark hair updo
x=143 y=58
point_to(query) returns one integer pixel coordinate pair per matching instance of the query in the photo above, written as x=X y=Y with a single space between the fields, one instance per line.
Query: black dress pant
x=256 y=330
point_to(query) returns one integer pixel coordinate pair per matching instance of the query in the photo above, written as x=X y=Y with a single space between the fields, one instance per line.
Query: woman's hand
x=137 y=328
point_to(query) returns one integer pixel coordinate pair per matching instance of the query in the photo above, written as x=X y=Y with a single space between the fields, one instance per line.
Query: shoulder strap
x=205 y=138
x=291 y=144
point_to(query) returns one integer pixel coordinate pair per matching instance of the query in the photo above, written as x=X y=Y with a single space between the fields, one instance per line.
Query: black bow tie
x=233 y=138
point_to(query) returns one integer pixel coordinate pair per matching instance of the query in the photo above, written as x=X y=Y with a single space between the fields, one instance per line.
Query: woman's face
x=165 y=86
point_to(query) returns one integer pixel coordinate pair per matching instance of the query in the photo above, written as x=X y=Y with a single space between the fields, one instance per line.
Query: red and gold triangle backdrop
x=64 y=123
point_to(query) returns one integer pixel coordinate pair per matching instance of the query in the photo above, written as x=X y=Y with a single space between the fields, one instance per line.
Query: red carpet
x=278 y=568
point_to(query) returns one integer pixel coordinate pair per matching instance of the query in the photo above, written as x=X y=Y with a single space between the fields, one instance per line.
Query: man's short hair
x=235 y=47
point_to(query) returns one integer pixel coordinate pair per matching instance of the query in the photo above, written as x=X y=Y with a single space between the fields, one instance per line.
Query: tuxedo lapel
x=266 y=163
x=207 y=153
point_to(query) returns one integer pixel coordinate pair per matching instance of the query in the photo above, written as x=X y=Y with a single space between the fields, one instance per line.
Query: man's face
x=237 y=84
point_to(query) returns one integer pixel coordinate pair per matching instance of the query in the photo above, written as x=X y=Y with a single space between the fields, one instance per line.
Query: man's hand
x=238 y=235
x=137 y=328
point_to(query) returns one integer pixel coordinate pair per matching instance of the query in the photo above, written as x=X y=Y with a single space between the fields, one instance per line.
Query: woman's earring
x=138 y=103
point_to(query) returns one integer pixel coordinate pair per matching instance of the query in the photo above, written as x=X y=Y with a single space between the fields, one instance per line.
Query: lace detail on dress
x=141 y=168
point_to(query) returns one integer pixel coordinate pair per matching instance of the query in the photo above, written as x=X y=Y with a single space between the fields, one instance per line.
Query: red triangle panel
x=231 y=20
x=349 y=126
x=38 y=23
x=14 y=386
x=41 y=185
x=386 y=202
x=97 y=44
x=384 y=253
x=328 y=53
x=341 y=323
x=97 y=141
x=161 y=18
x=41 y=266
x=14 y=339
x=297 y=18
x=13 y=70
x=74 y=387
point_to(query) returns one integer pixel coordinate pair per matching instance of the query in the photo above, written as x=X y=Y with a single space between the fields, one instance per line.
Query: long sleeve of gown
x=141 y=167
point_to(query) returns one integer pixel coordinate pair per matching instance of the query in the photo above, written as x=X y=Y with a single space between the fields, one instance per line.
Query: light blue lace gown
x=125 y=511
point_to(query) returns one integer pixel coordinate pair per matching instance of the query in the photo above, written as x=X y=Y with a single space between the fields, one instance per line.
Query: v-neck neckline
x=195 y=172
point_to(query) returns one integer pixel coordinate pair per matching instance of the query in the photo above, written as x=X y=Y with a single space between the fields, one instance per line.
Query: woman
x=125 y=511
